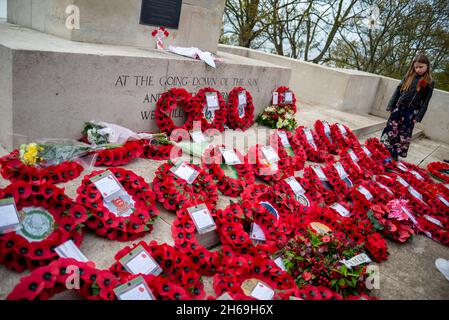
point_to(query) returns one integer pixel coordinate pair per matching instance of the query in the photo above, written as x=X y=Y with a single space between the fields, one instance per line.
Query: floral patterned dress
x=406 y=108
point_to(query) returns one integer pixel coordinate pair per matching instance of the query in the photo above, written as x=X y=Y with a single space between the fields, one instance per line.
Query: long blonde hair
x=421 y=58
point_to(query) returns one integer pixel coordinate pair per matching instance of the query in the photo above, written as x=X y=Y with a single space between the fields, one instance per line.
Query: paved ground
x=409 y=273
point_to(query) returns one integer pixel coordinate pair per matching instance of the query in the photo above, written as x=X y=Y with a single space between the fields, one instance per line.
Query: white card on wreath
x=270 y=155
x=409 y=214
x=284 y=139
x=9 y=217
x=242 y=98
x=433 y=220
x=262 y=292
x=309 y=135
x=415 y=193
x=139 y=261
x=402 y=181
x=295 y=185
x=417 y=175
x=185 y=172
x=136 y=289
x=106 y=184
x=320 y=173
x=443 y=200
x=280 y=263
x=327 y=129
x=357 y=260
x=367 y=152
x=288 y=97
x=365 y=192
x=212 y=101
x=257 y=232
x=341 y=171
x=198 y=136
x=202 y=218
x=402 y=167
x=342 y=128
x=275 y=98
x=385 y=188
x=69 y=250
x=353 y=156
x=230 y=156
x=341 y=210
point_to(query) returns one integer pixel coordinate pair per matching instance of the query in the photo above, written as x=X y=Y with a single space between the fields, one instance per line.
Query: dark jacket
x=417 y=100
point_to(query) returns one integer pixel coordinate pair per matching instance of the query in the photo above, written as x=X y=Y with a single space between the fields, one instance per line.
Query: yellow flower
x=29 y=153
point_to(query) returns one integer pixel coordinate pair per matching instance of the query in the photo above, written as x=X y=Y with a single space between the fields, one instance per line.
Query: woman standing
x=408 y=106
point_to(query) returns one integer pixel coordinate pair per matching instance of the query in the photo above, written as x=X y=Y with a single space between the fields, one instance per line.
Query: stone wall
x=351 y=90
x=117 y=21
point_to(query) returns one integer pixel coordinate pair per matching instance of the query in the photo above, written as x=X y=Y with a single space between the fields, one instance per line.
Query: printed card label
x=365 y=192
x=385 y=188
x=402 y=167
x=136 y=289
x=275 y=98
x=212 y=101
x=106 y=184
x=443 y=200
x=257 y=232
x=409 y=214
x=320 y=228
x=367 y=152
x=357 y=260
x=9 y=217
x=257 y=289
x=230 y=156
x=341 y=171
x=198 y=136
x=342 y=128
x=288 y=97
x=202 y=218
x=417 y=175
x=242 y=104
x=270 y=209
x=69 y=250
x=353 y=156
x=402 y=181
x=139 y=261
x=433 y=220
x=320 y=173
x=280 y=263
x=185 y=172
x=415 y=193
x=37 y=224
x=284 y=139
x=270 y=155
x=341 y=210
x=295 y=185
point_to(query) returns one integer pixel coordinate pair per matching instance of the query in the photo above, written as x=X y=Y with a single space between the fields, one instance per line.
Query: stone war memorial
x=142 y=159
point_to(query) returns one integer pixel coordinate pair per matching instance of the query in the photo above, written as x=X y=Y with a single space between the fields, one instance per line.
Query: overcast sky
x=2 y=8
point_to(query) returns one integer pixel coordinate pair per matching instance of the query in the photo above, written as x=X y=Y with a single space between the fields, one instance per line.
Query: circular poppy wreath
x=15 y=170
x=173 y=192
x=316 y=189
x=16 y=251
x=236 y=223
x=281 y=91
x=235 y=272
x=184 y=235
x=354 y=169
x=371 y=164
x=234 y=119
x=169 y=101
x=282 y=198
x=315 y=155
x=229 y=186
x=331 y=145
x=163 y=288
x=341 y=140
x=121 y=155
x=105 y=223
x=340 y=186
x=263 y=170
x=199 y=106
x=49 y=280
x=360 y=200
x=439 y=170
x=177 y=267
x=296 y=152
x=155 y=151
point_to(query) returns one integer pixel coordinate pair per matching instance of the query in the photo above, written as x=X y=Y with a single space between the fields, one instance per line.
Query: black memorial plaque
x=161 y=13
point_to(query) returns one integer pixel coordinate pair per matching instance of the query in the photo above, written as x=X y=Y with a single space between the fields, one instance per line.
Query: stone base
x=50 y=86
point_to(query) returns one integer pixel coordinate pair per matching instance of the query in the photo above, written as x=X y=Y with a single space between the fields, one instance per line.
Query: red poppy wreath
x=311 y=144
x=249 y=228
x=212 y=106
x=231 y=180
x=176 y=266
x=184 y=233
x=49 y=280
x=282 y=95
x=323 y=131
x=318 y=186
x=240 y=109
x=173 y=191
x=167 y=103
x=128 y=216
x=14 y=169
x=343 y=136
x=288 y=147
x=439 y=170
x=270 y=172
x=49 y=218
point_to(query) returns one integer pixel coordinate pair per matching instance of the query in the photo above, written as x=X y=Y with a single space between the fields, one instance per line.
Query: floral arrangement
x=323 y=131
x=315 y=150
x=160 y=34
x=211 y=119
x=281 y=98
x=278 y=118
x=294 y=151
x=343 y=136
